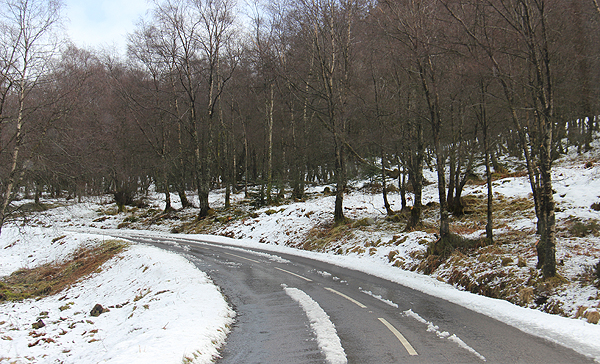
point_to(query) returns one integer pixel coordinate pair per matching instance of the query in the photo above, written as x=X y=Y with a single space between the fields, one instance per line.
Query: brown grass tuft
x=593 y=317
x=50 y=279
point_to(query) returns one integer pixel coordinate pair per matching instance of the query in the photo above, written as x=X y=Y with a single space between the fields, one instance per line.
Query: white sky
x=102 y=23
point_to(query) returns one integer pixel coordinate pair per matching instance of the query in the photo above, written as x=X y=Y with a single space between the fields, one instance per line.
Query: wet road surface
x=377 y=321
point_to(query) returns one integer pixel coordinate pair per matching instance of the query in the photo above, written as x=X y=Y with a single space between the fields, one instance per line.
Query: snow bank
x=327 y=338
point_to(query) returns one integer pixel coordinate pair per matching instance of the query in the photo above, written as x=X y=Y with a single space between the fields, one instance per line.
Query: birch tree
x=28 y=46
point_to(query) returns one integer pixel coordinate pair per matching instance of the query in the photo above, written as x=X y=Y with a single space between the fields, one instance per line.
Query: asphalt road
x=272 y=328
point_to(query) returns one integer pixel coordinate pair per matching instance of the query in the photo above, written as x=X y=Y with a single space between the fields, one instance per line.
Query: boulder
x=98 y=310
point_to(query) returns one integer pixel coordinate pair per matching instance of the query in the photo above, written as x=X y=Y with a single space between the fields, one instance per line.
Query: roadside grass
x=50 y=279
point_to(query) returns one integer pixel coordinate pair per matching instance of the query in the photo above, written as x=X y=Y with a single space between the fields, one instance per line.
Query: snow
x=378 y=297
x=443 y=334
x=162 y=309
x=324 y=329
x=187 y=316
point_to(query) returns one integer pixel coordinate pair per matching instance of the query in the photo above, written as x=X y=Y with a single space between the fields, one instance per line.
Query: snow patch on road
x=378 y=297
x=443 y=334
x=324 y=329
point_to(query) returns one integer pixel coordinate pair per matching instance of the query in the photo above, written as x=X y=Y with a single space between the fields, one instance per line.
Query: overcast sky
x=102 y=23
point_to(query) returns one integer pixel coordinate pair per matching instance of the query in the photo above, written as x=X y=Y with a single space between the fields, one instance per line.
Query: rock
x=98 y=310
x=38 y=325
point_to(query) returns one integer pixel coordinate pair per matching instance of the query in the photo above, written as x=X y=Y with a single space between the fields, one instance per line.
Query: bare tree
x=329 y=28
x=28 y=47
x=416 y=26
x=523 y=65
x=198 y=36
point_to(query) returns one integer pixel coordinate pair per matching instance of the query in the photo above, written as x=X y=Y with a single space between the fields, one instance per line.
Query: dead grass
x=50 y=279
x=476 y=207
x=321 y=238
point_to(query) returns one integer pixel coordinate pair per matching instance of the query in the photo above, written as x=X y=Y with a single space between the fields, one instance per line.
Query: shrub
x=506 y=261
x=581 y=229
x=131 y=218
x=451 y=242
x=597 y=270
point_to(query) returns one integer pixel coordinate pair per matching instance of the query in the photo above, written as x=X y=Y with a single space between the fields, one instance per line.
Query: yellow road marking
x=407 y=346
x=346 y=297
x=294 y=274
x=238 y=256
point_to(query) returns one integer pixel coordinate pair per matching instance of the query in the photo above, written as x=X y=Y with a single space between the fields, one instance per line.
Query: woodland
x=270 y=97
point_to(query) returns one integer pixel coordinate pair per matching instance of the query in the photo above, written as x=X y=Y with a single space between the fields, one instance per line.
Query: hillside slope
x=506 y=269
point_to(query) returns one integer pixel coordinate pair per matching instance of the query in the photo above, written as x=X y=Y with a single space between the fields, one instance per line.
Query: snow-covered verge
x=159 y=307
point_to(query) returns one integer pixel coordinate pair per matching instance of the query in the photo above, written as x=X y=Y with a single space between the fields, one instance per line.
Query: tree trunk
x=548 y=233
x=13 y=179
x=416 y=178
x=488 y=172
x=185 y=203
x=270 y=105
x=402 y=186
x=451 y=182
x=444 y=216
x=202 y=180
x=386 y=204
x=204 y=186
x=338 y=215
x=246 y=161
x=167 y=193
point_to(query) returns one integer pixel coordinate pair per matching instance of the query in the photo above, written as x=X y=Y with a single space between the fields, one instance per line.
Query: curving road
x=377 y=321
